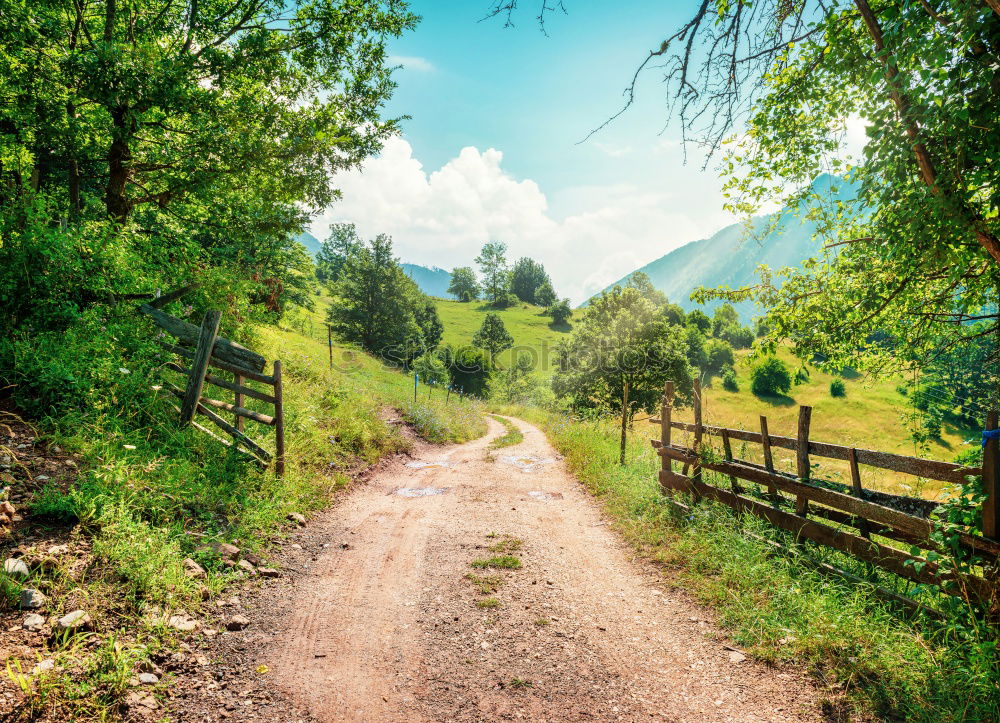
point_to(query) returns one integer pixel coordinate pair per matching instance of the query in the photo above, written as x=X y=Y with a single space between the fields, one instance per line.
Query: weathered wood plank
x=889 y=558
x=802 y=456
x=189 y=354
x=160 y=301
x=199 y=365
x=768 y=457
x=237 y=435
x=991 y=482
x=856 y=486
x=916 y=527
x=932 y=469
x=225 y=384
x=224 y=350
x=239 y=411
x=279 y=422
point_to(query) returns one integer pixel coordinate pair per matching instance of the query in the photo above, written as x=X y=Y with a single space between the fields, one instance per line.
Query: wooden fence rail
x=203 y=348
x=851 y=518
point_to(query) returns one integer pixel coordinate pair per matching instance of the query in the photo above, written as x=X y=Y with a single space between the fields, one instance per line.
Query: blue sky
x=492 y=150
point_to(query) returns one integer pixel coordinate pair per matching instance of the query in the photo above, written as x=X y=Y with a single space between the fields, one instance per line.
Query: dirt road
x=386 y=625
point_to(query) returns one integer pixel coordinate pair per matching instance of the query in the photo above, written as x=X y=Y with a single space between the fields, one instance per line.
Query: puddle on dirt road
x=545 y=495
x=420 y=491
x=527 y=463
x=427 y=465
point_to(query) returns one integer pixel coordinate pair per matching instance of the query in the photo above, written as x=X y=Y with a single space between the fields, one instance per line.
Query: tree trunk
x=621 y=455
x=985 y=238
x=119 y=155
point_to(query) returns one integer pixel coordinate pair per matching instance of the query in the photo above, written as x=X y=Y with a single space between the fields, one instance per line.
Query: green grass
x=488 y=603
x=498 y=562
x=533 y=332
x=511 y=436
x=486 y=584
x=779 y=609
x=870 y=416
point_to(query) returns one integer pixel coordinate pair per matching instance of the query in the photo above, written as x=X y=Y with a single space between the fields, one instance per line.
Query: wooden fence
x=201 y=348
x=857 y=521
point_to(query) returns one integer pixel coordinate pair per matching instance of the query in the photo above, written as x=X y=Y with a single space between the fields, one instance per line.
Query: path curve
x=386 y=626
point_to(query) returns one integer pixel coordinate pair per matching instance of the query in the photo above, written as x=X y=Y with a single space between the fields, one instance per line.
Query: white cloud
x=411 y=62
x=442 y=218
x=614 y=151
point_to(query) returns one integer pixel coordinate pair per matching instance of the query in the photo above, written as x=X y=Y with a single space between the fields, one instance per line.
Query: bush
x=801 y=375
x=729 y=382
x=770 y=378
x=719 y=355
x=837 y=388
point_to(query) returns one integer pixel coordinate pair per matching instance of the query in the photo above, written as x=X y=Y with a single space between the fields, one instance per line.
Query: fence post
x=765 y=440
x=802 y=457
x=199 y=365
x=727 y=448
x=991 y=482
x=329 y=343
x=279 y=423
x=696 y=470
x=852 y=458
x=238 y=379
x=666 y=465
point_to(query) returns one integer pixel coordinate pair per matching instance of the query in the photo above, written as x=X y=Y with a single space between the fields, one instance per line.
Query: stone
x=58 y=549
x=225 y=550
x=33 y=623
x=16 y=568
x=76 y=620
x=43 y=666
x=7 y=508
x=148 y=678
x=268 y=572
x=736 y=657
x=298 y=519
x=141 y=700
x=32 y=599
x=237 y=622
x=247 y=566
x=193 y=569
x=182 y=623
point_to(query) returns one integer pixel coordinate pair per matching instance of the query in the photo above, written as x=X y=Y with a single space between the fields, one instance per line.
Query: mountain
x=311 y=243
x=731 y=256
x=432 y=281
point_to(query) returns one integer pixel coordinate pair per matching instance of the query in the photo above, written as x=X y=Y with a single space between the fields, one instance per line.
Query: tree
x=470 y=368
x=699 y=320
x=560 y=312
x=619 y=356
x=770 y=377
x=695 y=342
x=342 y=242
x=167 y=139
x=464 y=286
x=545 y=295
x=516 y=384
x=492 y=262
x=431 y=369
x=525 y=278
x=724 y=318
x=493 y=336
x=640 y=281
x=915 y=258
x=380 y=308
x=674 y=314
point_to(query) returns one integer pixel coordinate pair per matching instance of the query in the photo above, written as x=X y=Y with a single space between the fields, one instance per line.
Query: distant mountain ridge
x=731 y=256
x=432 y=281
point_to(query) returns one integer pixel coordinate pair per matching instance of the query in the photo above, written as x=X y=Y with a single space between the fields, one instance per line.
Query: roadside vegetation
x=869 y=658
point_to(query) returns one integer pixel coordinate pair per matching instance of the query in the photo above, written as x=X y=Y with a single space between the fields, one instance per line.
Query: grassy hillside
x=870 y=416
x=532 y=330
x=146 y=495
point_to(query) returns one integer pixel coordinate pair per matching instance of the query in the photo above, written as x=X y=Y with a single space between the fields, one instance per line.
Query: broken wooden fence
x=201 y=348
x=856 y=521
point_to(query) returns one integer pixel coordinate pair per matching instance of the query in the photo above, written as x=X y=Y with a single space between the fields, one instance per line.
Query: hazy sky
x=492 y=150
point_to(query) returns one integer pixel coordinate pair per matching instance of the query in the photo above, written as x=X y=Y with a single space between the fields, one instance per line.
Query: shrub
x=837 y=388
x=770 y=378
x=729 y=382
x=719 y=355
x=801 y=375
